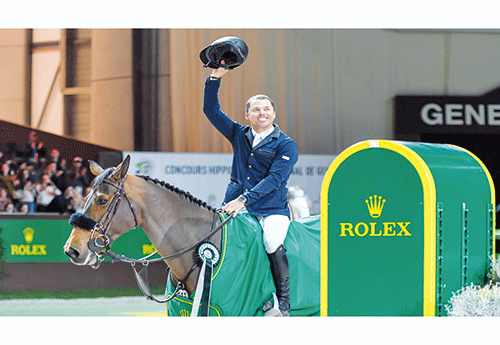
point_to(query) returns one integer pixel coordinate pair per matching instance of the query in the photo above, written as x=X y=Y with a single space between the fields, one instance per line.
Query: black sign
x=448 y=114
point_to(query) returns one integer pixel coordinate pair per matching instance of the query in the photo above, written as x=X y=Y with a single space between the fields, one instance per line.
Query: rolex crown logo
x=375 y=205
x=28 y=234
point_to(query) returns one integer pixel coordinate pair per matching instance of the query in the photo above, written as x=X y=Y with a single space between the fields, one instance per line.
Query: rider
x=263 y=159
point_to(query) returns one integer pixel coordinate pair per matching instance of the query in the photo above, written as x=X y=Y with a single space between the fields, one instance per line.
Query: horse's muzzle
x=72 y=253
x=76 y=256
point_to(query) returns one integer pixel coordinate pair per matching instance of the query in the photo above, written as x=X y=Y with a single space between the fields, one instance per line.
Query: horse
x=177 y=223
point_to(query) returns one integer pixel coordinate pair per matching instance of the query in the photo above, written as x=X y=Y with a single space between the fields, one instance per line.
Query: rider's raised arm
x=211 y=107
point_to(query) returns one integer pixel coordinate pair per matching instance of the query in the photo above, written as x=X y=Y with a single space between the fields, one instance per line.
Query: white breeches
x=275 y=229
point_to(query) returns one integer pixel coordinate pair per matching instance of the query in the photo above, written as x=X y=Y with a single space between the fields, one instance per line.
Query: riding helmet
x=230 y=49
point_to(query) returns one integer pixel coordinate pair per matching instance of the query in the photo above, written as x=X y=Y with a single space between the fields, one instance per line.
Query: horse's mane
x=178 y=191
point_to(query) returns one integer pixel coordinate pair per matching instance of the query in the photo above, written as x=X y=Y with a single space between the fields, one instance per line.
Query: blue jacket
x=260 y=173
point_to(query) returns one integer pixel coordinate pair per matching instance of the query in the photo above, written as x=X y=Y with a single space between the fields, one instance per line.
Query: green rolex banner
x=30 y=239
x=34 y=240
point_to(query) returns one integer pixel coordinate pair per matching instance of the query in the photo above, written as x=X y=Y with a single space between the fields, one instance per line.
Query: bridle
x=100 y=245
x=102 y=241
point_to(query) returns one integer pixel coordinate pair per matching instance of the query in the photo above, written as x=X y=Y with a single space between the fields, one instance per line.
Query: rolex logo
x=375 y=205
x=28 y=234
x=28 y=249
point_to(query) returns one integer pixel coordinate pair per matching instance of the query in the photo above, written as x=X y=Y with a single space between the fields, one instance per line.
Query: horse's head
x=104 y=218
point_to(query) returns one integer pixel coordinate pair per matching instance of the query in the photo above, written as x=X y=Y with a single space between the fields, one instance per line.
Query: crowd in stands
x=34 y=179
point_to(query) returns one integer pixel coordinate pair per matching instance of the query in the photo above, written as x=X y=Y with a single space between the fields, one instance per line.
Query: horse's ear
x=95 y=168
x=125 y=165
x=121 y=170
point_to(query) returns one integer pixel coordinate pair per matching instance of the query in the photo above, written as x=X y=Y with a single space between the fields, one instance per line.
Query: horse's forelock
x=98 y=180
x=102 y=176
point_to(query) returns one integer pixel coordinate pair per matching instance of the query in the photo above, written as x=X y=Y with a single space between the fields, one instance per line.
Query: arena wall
x=332 y=87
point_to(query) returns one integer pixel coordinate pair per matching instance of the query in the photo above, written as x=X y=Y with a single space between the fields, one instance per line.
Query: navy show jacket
x=260 y=173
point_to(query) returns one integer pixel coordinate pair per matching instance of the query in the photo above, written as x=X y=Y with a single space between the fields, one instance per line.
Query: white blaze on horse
x=177 y=224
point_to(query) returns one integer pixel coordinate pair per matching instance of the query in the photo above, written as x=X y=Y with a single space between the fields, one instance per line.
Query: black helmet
x=230 y=49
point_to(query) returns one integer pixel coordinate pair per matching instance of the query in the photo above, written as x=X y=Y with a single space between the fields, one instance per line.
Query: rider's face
x=261 y=115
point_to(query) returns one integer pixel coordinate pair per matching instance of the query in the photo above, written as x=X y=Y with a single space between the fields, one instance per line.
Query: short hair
x=253 y=98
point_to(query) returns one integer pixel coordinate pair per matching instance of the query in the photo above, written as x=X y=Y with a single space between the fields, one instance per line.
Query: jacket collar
x=264 y=133
x=275 y=134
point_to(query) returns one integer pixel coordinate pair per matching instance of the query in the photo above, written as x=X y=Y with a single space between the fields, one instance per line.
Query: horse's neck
x=169 y=219
x=173 y=223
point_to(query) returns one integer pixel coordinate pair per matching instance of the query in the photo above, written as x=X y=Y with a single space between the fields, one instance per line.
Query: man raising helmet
x=263 y=159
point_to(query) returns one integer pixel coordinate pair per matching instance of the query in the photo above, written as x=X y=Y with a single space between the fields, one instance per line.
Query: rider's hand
x=219 y=72
x=233 y=207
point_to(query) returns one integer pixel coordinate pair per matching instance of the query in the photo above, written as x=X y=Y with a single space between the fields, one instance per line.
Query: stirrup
x=272 y=309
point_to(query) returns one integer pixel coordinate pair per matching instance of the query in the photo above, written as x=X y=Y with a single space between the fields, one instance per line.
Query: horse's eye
x=101 y=201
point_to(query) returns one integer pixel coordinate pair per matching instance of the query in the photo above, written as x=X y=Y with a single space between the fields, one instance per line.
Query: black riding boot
x=280 y=272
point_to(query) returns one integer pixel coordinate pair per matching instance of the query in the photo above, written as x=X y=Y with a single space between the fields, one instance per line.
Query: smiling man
x=263 y=159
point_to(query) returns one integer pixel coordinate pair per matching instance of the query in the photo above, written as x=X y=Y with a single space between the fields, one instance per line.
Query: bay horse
x=174 y=221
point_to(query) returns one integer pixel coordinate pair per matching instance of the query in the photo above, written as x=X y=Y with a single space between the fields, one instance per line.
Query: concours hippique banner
x=205 y=175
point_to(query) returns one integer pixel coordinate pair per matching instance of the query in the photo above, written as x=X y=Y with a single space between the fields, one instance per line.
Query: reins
x=142 y=276
x=84 y=222
x=123 y=258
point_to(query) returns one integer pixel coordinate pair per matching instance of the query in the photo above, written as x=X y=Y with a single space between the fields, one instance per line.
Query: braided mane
x=179 y=192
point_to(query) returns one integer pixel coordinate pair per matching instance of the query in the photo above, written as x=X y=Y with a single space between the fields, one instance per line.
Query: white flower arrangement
x=476 y=300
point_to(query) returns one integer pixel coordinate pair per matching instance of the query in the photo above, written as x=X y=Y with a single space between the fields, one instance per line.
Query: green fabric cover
x=242 y=281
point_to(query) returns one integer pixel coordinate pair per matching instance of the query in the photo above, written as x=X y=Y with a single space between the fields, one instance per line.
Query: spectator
x=23 y=208
x=55 y=156
x=47 y=191
x=77 y=202
x=50 y=169
x=9 y=208
x=29 y=149
x=78 y=175
x=33 y=150
x=16 y=183
x=6 y=178
x=27 y=195
x=25 y=175
x=63 y=164
x=42 y=151
x=8 y=169
x=58 y=176
x=60 y=203
x=20 y=167
x=4 y=199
